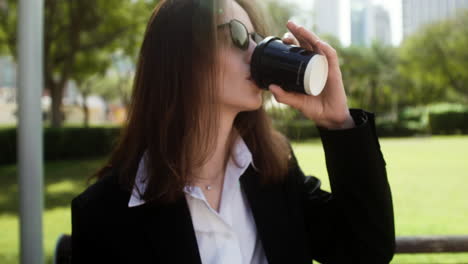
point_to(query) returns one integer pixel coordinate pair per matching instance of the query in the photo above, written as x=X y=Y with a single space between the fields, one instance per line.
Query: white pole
x=30 y=157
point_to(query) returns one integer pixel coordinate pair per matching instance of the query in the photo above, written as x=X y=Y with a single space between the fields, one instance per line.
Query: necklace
x=210 y=186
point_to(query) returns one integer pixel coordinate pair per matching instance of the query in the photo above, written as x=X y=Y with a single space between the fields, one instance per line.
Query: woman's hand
x=330 y=108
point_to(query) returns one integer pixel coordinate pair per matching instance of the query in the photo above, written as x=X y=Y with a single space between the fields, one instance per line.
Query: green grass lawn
x=428 y=176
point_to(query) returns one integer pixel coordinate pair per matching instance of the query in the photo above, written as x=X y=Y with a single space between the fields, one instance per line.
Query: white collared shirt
x=227 y=237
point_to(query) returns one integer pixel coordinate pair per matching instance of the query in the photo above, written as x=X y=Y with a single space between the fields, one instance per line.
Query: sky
x=393 y=7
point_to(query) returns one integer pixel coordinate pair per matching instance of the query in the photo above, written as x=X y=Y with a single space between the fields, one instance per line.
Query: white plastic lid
x=316 y=74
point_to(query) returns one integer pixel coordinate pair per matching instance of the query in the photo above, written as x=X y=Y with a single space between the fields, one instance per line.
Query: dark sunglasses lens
x=239 y=35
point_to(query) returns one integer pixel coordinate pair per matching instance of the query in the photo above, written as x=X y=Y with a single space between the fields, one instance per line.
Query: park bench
x=404 y=245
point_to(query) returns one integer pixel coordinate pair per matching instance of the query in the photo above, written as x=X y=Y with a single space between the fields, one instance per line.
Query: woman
x=200 y=175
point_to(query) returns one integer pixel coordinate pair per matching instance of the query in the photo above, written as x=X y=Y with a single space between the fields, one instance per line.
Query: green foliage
x=435 y=60
x=83 y=38
x=72 y=143
x=79 y=37
x=278 y=12
x=64 y=143
x=292 y=123
x=436 y=118
x=430 y=66
x=392 y=128
x=451 y=122
x=297 y=129
x=8 y=16
x=284 y=114
x=414 y=113
x=370 y=77
x=8 y=143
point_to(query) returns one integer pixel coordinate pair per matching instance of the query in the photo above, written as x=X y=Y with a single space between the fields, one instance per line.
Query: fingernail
x=291 y=23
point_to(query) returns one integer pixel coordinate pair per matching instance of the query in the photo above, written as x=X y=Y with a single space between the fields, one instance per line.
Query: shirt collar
x=241 y=153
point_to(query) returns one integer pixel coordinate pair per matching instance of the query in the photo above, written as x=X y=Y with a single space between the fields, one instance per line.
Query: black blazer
x=296 y=221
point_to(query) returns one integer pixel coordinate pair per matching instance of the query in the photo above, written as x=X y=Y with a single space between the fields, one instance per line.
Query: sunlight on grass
x=63 y=180
x=62 y=186
x=429 y=181
x=58 y=221
x=8 y=239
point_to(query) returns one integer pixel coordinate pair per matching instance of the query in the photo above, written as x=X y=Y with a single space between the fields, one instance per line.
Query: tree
x=89 y=69
x=369 y=74
x=121 y=72
x=435 y=61
x=278 y=13
x=375 y=70
x=75 y=28
x=86 y=87
x=110 y=77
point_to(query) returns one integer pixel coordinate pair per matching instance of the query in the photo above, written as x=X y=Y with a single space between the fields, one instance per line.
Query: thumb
x=293 y=99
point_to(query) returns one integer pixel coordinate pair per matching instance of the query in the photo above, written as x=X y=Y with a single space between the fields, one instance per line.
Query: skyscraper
x=377 y=25
x=358 y=22
x=369 y=22
x=417 y=13
x=333 y=17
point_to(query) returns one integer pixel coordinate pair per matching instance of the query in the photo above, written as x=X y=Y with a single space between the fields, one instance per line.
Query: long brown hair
x=173 y=116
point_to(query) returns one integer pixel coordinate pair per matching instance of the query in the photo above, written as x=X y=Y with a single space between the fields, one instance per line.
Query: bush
x=445 y=118
x=284 y=114
x=64 y=143
x=306 y=129
x=451 y=122
x=412 y=114
x=8 y=145
x=297 y=129
x=437 y=118
x=390 y=128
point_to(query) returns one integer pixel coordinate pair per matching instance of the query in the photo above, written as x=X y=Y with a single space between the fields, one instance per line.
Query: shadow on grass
x=63 y=180
x=49 y=259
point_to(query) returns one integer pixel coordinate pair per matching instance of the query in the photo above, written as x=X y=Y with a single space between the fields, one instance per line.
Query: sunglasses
x=240 y=35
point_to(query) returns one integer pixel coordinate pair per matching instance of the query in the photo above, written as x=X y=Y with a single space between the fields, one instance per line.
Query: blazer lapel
x=266 y=209
x=276 y=230
x=169 y=232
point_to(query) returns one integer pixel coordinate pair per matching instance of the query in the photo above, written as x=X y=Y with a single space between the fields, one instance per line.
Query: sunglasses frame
x=252 y=35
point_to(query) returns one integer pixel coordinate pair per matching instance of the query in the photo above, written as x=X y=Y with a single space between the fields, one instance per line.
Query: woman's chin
x=254 y=103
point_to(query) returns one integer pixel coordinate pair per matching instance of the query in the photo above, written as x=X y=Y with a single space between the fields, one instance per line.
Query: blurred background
x=404 y=60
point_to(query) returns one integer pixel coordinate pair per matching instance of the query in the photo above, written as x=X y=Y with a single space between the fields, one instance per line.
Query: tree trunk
x=57 y=116
x=395 y=109
x=85 y=111
x=373 y=96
